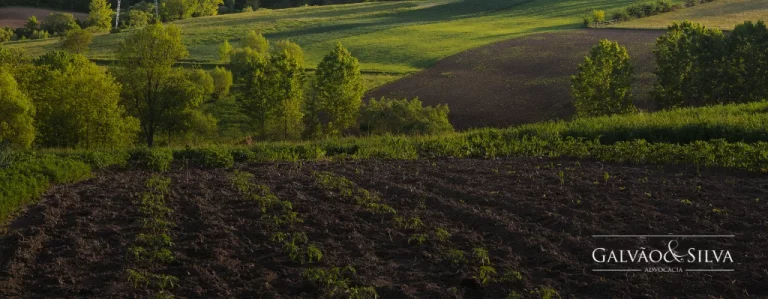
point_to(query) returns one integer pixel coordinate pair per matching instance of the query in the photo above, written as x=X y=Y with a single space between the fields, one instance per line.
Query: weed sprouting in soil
x=335 y=282
x=455 y=256
x=417 y=239
x=151 y=248
x=348 y=190
x=442 y=235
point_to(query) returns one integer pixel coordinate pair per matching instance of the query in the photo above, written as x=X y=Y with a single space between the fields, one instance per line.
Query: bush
x=598 y=15
x=404 y=117
x=77 y=41
x=6 y=34
x=25 y=181
x=39 y=34
x=59 y=23
x=207 y=157
x=157 y=159
x=222 y=82
x=603 y=84
x=247 y=8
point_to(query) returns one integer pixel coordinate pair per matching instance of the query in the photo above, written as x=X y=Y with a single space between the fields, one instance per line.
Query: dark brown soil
x=16 y=17
x=523 y=80
x=74 y=243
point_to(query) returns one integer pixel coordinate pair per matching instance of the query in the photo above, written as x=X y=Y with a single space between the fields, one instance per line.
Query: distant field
x=15 y=17
x=523 y=80
x=723 y=14
x=395 y=37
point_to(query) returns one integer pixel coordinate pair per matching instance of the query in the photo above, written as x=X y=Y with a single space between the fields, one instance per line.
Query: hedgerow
x=207 y=157
x=157 y=159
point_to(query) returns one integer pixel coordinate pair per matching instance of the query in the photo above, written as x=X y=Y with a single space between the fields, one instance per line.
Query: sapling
x=442 y=234
x=481 y=254
x=417 y=239
x=455 y=256
x=485 y=275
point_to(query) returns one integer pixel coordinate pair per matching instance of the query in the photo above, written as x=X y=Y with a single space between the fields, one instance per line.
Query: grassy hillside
x=397 y=37
x=723 y=14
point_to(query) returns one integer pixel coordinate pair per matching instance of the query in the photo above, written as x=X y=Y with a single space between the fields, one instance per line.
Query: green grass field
x=723 y=14
x=394 y=37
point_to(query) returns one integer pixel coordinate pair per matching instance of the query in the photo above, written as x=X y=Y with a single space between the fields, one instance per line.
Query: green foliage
x=225 y=50
x=243 y=62
x=203 y=81
x=60 y=23
x=203 y=8
x=138 y=18
x=100 y=14
x=16 y=114
x=39 y=34
x=481 y=255
x=79 y=106
x=293 y=50
x=455 y=256
x=27 y=179
x=160 y=96
x=603 y=84
x=256 y=42
x=172 y=10
x=485 y=275
x=77 y=41
x=222 y=82
x=158 y=159
x=272 y=97
x=442 y=235
x=6 y=34
x=334 y=282
x=747 y=62
x=206 y=157
x=337 y=92
x=689 y=59
x=598 y=15
x=404 y=117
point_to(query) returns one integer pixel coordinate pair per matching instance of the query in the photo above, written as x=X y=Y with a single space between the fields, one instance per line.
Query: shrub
x=404 y=117
x=222 y=82
x=6 y=34
x=16 y=114
x=747 y=62
x=256 y=41
x=59 y=23
x=207 y=157
x=39 y=34
x=138 y=18
x=598 y=15
x=157 y=159
x=602 y=86
x=77 y=41
x=247 y=8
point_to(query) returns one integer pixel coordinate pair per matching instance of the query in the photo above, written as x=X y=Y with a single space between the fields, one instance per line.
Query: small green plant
x=485 y=275
x=442 y=235
x=241 y=180
x=455 y=256
x=481 y=255
x=334 y=282
x=417 y=239
x=606 y=177
x=686 y=202
x=718 y=211
x=546 y=292
x=561 y=174
x=511 y=276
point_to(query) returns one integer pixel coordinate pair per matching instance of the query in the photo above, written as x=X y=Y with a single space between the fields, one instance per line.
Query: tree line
x=695 y=66
x=63 y=100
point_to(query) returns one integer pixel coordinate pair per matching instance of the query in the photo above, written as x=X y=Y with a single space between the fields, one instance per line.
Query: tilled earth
x=522 y=80
x=527 y=215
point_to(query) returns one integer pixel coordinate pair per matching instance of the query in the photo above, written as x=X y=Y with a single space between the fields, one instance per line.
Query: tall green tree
x=206 y=7
x=337 y=94
x=100 y=15
x=747 y=65
x=256 y=41
x=292 y=48
x=60 y=22
x=171 y=10
x=690 y=60
x=16 y=114
x=78 y=106
x=153 y=90
x=603 y=83
x=77 y=41
x=222 y=82
x=225 y=50
x=288 y=76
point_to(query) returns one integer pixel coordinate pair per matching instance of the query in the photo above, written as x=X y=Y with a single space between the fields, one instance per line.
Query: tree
x=60 y=23
x=292 y=48
x=176 y=9
x=138 y=18
x=747 y=63
x=206 y=7
x=78 y=105
x=100 y=15
x=242 y=62
x=337 y=92
x=16 y=114
x=152 y=89
x=77 y=41
x=225 y=50
x=222 y=82
x=689 y=66
x=32 y=24
x=6 y=34
x=255 y=41
x=203 y=81
x=602 y=86
x=288 y=76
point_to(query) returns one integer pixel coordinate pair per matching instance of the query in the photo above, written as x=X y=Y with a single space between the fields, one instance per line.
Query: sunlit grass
x=723 y=14
x=395 y=37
